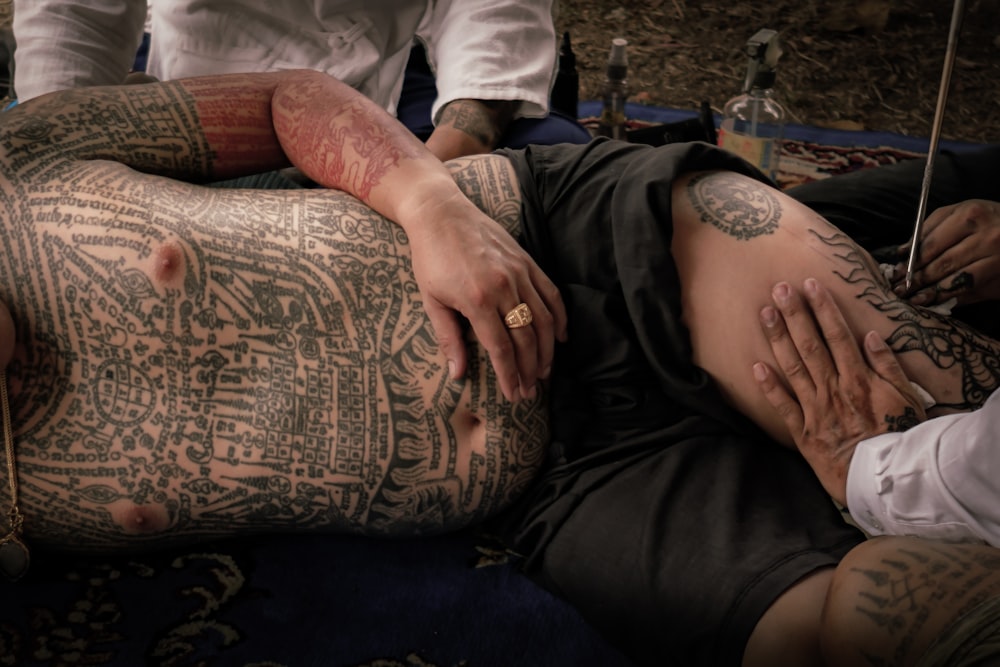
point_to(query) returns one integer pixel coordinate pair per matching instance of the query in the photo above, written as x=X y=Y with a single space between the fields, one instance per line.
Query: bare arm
x=470 y=127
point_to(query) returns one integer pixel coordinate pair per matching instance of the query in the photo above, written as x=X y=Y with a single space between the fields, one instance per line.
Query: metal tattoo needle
x=949 y=63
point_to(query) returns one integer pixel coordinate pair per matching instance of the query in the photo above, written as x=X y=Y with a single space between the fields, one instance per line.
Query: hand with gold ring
x=466 y=262
x=519 y=316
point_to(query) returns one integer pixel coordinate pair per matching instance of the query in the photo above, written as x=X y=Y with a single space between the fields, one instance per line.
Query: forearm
x=470 y=127
x=936 y=480
x=492 y=50
x=218 y=127
x=342 y=140
x=64 y=45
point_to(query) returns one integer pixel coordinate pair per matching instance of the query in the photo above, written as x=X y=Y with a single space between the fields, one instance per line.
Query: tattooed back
x=196 y=362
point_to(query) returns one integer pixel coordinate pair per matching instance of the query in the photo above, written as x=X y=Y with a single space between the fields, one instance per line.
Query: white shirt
x=940 y=479
x=480 y=49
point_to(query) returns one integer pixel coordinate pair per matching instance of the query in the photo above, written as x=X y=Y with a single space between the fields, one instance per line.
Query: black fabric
x=664 y=516
x=878 y=207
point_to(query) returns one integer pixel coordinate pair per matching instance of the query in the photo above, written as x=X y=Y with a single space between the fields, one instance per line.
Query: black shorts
x=666 y=518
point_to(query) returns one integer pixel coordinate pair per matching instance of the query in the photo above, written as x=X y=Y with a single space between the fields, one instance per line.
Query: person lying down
x=188 y=362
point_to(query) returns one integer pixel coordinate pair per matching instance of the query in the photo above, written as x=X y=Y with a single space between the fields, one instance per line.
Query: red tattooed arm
x=463 y=260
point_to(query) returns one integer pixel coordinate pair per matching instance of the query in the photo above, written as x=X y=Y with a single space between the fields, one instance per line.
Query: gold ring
x=519 y=316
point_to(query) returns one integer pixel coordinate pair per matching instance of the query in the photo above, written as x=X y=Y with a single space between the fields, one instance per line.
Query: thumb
x=448 y=332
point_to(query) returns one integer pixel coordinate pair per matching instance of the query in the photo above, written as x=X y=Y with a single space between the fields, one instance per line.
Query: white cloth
x=940 y=479
x=480 y=49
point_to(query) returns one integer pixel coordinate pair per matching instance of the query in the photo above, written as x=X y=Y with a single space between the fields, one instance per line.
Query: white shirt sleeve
x=64 y=45
x=494 y=50
x=940 y=479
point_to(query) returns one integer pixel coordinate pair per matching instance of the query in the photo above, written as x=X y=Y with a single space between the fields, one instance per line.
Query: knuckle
x=794 y=369
x=811 y=347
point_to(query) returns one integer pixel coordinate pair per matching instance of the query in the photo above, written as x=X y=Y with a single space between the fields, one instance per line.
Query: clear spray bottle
x=753 y=122
x=614 y=92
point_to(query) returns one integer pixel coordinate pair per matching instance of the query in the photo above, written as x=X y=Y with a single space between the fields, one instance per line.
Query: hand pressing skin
x=959 y=256
x=836 y=396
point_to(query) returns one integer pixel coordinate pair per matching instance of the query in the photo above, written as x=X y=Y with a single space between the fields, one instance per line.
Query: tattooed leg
x=735 y=238
x=896 y=600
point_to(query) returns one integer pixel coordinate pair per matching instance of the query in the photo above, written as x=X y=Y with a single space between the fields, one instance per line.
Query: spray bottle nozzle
x=763 y=50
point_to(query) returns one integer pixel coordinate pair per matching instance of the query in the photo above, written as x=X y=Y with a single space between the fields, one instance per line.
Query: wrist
x=430 y=200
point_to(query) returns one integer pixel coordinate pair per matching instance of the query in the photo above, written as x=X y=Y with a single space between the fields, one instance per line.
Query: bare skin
x=733 y=242
x=470 y=127
x=196 y=362
x=958 y=257
x=838 y=397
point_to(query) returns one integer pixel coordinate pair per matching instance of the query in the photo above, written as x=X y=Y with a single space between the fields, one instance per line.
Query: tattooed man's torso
x=195 y=362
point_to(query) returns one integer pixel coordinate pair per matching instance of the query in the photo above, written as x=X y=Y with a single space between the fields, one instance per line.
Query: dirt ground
x=852 y=64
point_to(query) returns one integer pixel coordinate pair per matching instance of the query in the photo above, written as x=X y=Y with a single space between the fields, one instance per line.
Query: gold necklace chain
x=14 y=556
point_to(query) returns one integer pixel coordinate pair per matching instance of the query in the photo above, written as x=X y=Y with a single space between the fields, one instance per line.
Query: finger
x=786 y=354
x=783 y=403
x=550 y=294
x=526 y=346
x=958 y=286
x=549 y=318
x=543 y=345
x=808 y=341
x=448 y=332
x=883 y=361
x=942 y=230
x=495 y=338
x=838 y=338
x=949 y=275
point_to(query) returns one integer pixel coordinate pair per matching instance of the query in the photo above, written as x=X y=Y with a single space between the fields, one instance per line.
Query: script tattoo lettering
x=904 y=590
x=735 y=205
x=197 y=362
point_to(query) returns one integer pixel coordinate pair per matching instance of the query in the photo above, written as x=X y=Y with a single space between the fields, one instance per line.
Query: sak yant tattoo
x=735 y=205
x=946 y=343
x=902 y=594
x=196 y=362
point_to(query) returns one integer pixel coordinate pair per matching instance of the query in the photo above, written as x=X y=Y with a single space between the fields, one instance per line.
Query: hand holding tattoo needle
x=959 y=256
x=837 y=397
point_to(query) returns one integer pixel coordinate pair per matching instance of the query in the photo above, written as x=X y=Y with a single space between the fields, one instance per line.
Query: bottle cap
x=619 y=54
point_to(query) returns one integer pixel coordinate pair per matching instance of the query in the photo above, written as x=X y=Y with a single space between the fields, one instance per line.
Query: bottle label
x=758 y=151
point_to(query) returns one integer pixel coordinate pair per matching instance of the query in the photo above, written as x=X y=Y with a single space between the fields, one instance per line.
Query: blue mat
x=795 y=132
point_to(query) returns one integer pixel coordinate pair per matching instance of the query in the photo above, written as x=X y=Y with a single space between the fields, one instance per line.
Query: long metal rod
x=949 y=64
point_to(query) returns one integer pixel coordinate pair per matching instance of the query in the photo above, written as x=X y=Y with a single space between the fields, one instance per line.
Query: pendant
x=14 y=557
